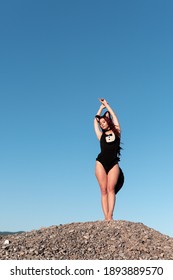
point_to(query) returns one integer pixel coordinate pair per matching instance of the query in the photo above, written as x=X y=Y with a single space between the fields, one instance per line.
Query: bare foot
x=109 y=219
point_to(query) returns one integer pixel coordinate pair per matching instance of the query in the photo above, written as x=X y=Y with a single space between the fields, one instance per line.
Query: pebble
x=6 y=242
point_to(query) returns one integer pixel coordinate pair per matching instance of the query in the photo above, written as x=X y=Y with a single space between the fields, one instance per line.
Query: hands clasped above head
x=104 y=102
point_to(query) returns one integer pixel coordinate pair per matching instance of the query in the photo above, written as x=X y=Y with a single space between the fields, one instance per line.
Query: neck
x=107 y=129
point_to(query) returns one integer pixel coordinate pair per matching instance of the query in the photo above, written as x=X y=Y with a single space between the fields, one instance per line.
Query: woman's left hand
x=103 y=101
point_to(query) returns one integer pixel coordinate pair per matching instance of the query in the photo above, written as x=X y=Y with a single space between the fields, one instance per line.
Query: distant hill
x=10 y=232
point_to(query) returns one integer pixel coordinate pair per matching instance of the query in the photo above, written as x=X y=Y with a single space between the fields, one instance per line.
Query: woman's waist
x=108 y=156
x=109 y=151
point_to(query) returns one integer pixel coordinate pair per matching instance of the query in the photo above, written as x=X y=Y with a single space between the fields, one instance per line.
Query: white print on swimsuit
x=110 y=137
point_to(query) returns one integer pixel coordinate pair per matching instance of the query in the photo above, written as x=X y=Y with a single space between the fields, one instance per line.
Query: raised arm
x=114 y=117
x=96 y=124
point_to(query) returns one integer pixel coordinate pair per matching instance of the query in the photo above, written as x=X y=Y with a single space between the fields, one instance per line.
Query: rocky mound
x=91 y=240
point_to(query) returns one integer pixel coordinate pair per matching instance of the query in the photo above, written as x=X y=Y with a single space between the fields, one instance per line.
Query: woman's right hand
x=103 y=101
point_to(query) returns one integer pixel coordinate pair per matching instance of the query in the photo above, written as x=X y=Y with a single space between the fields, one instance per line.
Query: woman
x=107 y=170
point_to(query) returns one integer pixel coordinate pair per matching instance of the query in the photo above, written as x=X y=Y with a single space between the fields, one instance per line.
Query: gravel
x=101 y=240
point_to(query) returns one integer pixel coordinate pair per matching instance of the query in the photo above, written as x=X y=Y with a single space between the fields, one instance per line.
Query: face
x=103 y=124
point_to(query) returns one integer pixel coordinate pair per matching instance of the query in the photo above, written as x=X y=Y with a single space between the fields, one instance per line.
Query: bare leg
x=112 y=180
x=102 y=180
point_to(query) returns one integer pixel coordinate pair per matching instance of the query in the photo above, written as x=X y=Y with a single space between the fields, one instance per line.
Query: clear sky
x=56 y=59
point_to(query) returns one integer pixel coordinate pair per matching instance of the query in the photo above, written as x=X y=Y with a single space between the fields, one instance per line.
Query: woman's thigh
x=101 y=175
x=113 y=177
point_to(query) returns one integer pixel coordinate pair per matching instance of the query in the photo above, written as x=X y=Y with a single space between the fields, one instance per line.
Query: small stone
x=86 y=236
x=6 y=242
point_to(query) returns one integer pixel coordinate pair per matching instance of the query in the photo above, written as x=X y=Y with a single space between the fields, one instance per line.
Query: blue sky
x=57 y=59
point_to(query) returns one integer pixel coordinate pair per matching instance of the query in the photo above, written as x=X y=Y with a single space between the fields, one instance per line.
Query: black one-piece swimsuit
x=108 y=156
x=109 y=149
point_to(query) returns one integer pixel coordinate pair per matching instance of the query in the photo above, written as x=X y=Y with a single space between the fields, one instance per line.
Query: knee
x=103 y=191
x=111 y=188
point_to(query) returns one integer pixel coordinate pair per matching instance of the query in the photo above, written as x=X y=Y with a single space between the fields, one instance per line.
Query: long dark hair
x=112 y=126
x=108 y=119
